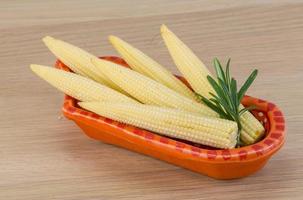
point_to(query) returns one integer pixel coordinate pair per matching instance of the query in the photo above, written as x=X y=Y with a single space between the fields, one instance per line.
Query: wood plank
x=44 y=156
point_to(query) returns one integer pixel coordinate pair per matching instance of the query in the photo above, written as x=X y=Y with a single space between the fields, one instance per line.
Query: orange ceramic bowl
x=216 y=163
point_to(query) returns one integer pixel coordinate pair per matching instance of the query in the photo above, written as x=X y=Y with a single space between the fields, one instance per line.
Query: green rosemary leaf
x=247 y=83
x=200 y=97
x=233 y=90
x=222 y=103
x=216 y=87
x=227 y=99
x=227 y=74
x=219 y=70
x=212 y=106
x=223 y=114
x=226 y=91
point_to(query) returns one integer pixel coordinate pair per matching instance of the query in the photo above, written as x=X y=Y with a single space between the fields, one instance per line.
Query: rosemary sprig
x=227 y=99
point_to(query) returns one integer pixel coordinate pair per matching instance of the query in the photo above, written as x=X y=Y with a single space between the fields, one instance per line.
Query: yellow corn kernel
x=79 y=87
x=170 y=122
x=77 y=60
x=251 y=126
x=149 y=91
x=187 y=62
x=145 y=65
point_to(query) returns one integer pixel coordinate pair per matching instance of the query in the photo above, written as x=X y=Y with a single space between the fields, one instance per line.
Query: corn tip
x=35 y=67
x=113 y=39
x=117 y=42
x=32 y=66
x=164 y=28
x=40 y=70
x=47 y=39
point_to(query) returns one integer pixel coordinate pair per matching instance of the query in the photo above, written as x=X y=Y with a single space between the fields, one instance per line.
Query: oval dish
x=219 y=164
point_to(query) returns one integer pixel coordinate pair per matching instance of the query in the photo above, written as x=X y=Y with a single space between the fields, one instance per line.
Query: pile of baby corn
x=147 y=96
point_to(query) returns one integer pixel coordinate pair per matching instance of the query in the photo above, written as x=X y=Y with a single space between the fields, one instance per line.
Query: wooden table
x=45 y=156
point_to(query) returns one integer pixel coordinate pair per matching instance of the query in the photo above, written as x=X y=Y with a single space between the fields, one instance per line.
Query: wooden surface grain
x=45 y=156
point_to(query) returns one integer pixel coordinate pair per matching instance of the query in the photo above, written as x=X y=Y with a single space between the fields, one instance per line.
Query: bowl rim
x=271 y=143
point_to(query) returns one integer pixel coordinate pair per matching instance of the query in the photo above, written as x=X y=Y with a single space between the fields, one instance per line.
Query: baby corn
x=187 y=62
x=147 y=90
x=77 y=60
x=79 y=87
x=196 y=74
x=145 y=65
x=170 y=122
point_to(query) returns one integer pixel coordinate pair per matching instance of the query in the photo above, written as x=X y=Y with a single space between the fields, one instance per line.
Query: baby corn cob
x=196 y=74
x=251 y=126
x=147 y=90
x=145 y=65
x=79 y=87
x=77 y=60
x=171 y=122
x=187 y=62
